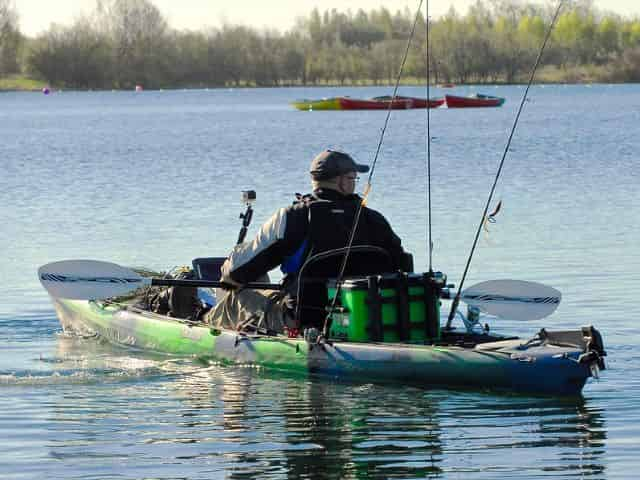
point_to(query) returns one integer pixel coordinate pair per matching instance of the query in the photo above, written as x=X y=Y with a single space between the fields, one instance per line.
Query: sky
x=37 y=15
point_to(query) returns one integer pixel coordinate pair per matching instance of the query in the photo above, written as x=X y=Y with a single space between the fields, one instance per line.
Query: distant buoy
x=46 y=90
x=139 y=88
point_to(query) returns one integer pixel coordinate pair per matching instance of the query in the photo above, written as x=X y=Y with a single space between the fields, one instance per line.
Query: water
x=153 y=179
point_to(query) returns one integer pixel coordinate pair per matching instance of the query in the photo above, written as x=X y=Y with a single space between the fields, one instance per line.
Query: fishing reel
x=472 y=320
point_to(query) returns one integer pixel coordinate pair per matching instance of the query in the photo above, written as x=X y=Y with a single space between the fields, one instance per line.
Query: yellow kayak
x=322 y=104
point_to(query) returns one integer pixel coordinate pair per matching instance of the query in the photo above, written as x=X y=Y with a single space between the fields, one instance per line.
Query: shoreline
x=346 y=85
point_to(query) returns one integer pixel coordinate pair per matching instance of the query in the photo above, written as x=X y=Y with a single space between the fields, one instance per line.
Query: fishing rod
x=362 y=204
x=429 y=241
x=456 y=300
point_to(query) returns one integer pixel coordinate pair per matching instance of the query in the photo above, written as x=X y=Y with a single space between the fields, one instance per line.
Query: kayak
x=376 y=103
x=551 y=363
x=321 y=104
x=383 y=103
x=477 y=100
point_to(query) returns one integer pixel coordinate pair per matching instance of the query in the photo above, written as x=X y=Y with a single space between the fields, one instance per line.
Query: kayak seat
x=208 y=268
x=317 y=270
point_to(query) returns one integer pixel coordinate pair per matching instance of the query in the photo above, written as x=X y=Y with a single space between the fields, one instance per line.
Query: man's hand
x=290 y=302
x=226 y=275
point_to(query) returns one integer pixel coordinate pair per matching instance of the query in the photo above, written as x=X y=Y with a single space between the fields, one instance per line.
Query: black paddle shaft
x=173 y=282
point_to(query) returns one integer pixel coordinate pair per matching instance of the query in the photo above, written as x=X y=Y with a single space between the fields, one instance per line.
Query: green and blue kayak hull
x=514 y=365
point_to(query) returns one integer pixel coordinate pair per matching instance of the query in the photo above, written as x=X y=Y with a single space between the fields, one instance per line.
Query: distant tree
x=292 y=60
x=510 y=49
x=126 y=42
x=314 y=26
x=361 y=32
x=75 y=57
x=608 y=37
x=215 y=58
x=631 y=34
x=233 y=54
x=374 y=66
x=264 y=51
x=387 y=59
x=439 y=52
x=402 y=24
x=531 y=31
x=416 y=65
x=627 y=67
x=139 y=36
x=454 y=41
x=188 y=57
x=10 y=38
x=483 y=55
x=383 y=22
x=321 y=64
x=575 y=33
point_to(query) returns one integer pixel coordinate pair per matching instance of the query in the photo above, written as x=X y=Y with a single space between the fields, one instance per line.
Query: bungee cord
x=483 y=220
x=368 y=187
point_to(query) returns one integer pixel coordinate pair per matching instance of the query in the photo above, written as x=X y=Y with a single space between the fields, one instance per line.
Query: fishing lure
x=491 y=217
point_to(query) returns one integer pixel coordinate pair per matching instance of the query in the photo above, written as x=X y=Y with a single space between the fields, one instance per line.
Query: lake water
x=154 y=179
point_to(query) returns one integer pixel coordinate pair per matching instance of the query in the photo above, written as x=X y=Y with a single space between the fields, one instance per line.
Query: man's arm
x=278 y=237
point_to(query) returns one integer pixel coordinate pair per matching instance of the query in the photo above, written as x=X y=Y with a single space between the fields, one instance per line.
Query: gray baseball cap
x=331 y=163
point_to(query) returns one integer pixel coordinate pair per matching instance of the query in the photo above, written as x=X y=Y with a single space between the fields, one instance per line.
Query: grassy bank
x=22 y=83
x=548 y=74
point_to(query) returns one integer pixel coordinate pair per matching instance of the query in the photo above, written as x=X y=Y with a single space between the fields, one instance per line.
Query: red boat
x=382 y=103
x=477 y=100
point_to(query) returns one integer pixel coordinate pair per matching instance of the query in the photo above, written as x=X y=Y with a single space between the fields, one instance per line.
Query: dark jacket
x=321 y=221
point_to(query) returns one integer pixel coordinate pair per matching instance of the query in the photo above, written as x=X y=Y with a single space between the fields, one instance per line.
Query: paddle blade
x=513 y=299
x=88 y=279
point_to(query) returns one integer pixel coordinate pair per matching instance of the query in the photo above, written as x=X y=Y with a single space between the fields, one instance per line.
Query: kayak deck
x=458 y=360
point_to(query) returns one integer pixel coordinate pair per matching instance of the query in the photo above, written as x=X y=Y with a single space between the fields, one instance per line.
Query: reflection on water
x=189 y=420
x=95 y=411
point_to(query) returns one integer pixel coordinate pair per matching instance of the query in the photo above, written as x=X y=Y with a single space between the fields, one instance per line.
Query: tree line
x=123 y=43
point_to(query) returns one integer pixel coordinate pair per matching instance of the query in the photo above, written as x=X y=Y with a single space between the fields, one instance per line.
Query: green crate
x=352 y=319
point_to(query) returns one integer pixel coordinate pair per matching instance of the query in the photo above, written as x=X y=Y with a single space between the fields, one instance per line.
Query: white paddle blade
x=89 y=279
x=513 y=299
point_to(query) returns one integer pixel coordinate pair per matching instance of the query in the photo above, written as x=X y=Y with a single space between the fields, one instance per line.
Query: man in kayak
x=315 y=223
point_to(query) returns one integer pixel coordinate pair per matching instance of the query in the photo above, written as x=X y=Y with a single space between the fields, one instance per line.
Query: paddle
x=94 y=280
x=513 y=299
